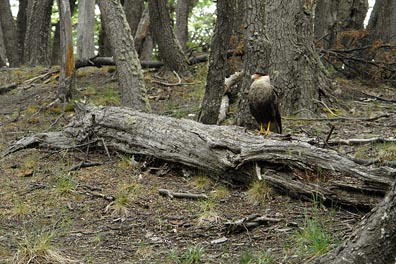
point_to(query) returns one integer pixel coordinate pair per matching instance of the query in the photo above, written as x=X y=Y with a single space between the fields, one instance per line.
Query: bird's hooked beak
x=255 y=76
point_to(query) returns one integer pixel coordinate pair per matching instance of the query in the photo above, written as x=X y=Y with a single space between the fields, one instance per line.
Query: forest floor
x=50 y=213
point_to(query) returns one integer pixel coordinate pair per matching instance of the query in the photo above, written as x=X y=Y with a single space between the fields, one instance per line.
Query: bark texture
x=67 y=72
x=22 y=25
x=292 y=166
x=382 y=21
x=295 y=67
x=169 y=48
x=183 y=8
x=3 y=57
x=130 y=75
x=214 y=89
x=257 y=50
x=334 y=16
x=373 y=240
x=9 y=34
x=85 y=29
x=38 y=33
x=133 y=12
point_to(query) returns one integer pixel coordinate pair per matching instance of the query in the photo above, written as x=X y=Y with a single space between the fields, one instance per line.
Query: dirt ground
x=112 y=212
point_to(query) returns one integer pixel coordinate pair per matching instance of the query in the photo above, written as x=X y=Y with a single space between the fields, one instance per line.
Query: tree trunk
x=3 y=57
x=257 y=50
x=67 y=72
x=142 y=32
x=382 y=21
x=130 y=75
x=10 y=34
x=38 y=33
x=104 y=44
x=294 y=66
x=291 y=165
x=85 y=29
x=183 y=8
x=133 y=12
x=169 y=48
x=214 y=89
x=21 y=25
x=335 y=16
x=374 y=239
x=56 y=55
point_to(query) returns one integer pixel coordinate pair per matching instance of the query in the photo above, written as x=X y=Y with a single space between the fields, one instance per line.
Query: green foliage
x=258 y=192
x=263 y=257
x=191 y=255
x=200 y=26
x=315 y=238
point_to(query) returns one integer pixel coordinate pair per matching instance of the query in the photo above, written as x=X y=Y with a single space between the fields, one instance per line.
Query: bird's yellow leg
x=268 y=128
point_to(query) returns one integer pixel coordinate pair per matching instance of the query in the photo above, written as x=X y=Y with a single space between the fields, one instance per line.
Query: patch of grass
x=108 y=97
x=65 y=185
x=20 y=209
x=220 y=192
x=258 y=192
x=208 y=213
x=246 y=257
x=38 y=248
x=387 y=151
x=191 y=255
x=119 y=207
x=202 y=182
x=144 y=251
x=315 y=238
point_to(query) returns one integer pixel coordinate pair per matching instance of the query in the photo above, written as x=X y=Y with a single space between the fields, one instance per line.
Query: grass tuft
x=258 y=193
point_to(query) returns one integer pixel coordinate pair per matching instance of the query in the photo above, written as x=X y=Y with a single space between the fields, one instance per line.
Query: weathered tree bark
x=9 y=33
x=56 y=55
x=294 y=66
x=85 y=29
x=256 y=57
x=133 y=12
x=183 y=9
x=373 y=240
x=130 y=75
x=142 y=32
x=38 y=33
x=104 y=44
x=334 y=16
x=382 y=21
x=292 y=166
x=67 y=72
x=214 y=89
x=21 y=25
x=3 y=57
x=169 y=48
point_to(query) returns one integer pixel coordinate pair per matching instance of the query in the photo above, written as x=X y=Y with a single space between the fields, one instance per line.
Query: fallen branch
x=290 y=165
x=248 y=223
x=172 y=194
x=361 y=141
x=338 y=118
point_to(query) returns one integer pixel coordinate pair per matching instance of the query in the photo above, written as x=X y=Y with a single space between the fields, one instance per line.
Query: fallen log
x=291 y=166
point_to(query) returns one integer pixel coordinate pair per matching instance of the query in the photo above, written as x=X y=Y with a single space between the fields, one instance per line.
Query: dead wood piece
x=386 y=115
x=85 y=164
x=361 y=141
x=248 y=223
x=172 y=194
x=7 y=88
x=296 y=168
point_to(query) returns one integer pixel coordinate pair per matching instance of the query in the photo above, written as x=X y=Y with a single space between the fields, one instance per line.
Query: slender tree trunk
x=104 y=44
x=382 y=23
x=85 y=29
x=374 y=239
x=214 y=88
x=130 y=75
x=67 y=72
x=183 y=8
x=37 y=39
x=3 y=57
x=142 y=30
x=56 y=55
x=133 y=12
x=10 y=34
x=169 y=48
x=22 y=25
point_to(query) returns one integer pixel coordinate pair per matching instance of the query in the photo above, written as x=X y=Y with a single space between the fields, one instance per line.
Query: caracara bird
x=264 y=105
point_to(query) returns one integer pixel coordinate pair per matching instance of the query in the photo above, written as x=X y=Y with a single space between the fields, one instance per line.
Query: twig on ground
x=361 y=141
x=248 y=223
x=386 y=115
x=85 y=164
x=380 y=98
x=172 y=194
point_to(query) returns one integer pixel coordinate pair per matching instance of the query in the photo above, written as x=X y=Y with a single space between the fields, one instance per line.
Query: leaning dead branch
x=182 y=195
x=339 y=118
x=292 y=166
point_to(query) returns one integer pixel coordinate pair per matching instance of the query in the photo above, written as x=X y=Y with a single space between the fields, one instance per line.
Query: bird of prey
x=264 y=106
